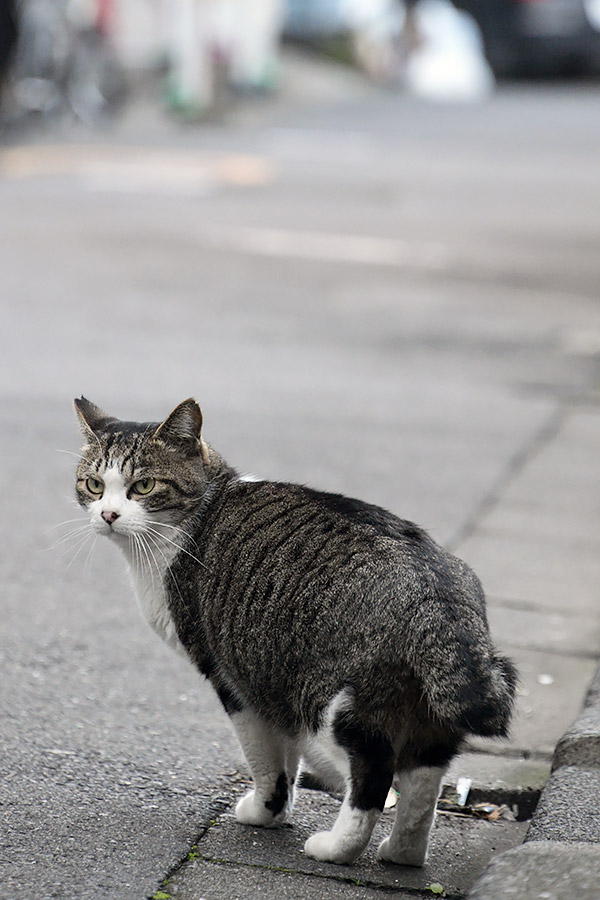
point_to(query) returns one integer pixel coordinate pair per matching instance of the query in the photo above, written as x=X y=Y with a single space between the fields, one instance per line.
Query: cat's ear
x=183 y=429
x=91 y=418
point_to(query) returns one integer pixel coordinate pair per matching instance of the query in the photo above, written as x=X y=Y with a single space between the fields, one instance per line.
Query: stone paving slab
x=554 y=488
x=207 y=880
x=550 y=632
x=460 y=849
x=525 y=569
x=565 y=530
x=572 y=453
x=547 y=870
x=554 y=493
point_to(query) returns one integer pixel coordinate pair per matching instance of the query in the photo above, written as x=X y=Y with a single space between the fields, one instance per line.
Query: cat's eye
x=144 y=486
x=94 y=486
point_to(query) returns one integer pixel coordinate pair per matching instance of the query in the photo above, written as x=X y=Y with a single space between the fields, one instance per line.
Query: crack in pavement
x=526 y=454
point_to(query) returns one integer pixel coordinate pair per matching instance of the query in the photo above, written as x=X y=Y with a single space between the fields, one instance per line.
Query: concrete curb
x=560 y=859
x=580 y=745
x=542 y=870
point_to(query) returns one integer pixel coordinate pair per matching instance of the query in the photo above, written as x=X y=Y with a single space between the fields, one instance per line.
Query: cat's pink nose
x=109 y=517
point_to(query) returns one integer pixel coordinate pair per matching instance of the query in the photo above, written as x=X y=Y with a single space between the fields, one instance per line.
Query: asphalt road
x=373 y=295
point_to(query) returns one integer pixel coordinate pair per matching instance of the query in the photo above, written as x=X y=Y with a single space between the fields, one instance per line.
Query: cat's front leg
x=370 y=764
x=418 y=792
x=273 y=763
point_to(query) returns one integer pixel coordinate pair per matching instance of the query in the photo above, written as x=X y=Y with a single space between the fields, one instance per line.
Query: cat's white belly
x=322 y=754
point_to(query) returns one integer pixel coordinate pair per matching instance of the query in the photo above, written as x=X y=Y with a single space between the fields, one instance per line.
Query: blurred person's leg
x=191 y=52
x=410 y=32
x=255 y=43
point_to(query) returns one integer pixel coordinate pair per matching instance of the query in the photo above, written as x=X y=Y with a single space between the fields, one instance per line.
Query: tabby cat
x=334 y=633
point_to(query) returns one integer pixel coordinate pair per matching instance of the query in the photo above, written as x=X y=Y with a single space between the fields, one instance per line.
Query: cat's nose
x=109 y=516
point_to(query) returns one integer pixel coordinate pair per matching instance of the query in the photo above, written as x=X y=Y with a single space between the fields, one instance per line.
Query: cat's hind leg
x=273 y=763
x=418 y=791
x=370 y=763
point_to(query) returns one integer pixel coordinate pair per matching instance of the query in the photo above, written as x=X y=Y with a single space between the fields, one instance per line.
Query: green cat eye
x=144 y=486
x=94 y=486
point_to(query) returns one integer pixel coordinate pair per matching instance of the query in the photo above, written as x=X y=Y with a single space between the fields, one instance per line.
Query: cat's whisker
x=133 y=549
x=135 y=545
x=144 y=561
x=71 y=536
x=144 y=550
x=154 y=540
x=72 y=540
x=70 y=452
x=81 y=519
x=67 y=522
x=177 y=528
x=75 y=541
x=58 y=525
x=82 y=544
x=136 y=555
x=166 y=525
x=178 y=546
x=86 y=565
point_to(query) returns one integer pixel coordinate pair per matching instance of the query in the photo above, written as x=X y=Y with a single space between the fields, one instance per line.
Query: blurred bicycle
x=63 y=64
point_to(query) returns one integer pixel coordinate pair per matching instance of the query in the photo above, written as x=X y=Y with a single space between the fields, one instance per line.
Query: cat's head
x=136 y=477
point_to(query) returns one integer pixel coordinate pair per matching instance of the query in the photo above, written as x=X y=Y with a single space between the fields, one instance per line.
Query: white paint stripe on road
x=328 y=247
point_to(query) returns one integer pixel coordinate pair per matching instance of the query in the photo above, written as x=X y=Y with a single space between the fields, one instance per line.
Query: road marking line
x=132 y=168
x=328 y=247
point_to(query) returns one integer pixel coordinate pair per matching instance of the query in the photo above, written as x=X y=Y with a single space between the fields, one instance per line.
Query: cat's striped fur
x=332 y=631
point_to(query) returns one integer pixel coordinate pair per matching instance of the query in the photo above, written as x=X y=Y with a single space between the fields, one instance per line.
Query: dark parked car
x=538 y=37
x=8 y=35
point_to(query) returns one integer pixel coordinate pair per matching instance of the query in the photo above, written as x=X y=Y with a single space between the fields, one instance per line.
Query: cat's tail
x=475 y=694
x=466 y=682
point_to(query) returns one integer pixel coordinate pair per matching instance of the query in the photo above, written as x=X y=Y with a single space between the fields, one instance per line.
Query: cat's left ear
x=91 y=418
x=183 y=428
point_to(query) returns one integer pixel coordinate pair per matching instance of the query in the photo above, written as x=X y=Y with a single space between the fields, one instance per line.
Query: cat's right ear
x=183 y=429
x=90 y=417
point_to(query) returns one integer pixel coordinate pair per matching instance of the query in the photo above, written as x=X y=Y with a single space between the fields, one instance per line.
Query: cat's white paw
x=406 y=856
x=325 y=847
x=250 y=810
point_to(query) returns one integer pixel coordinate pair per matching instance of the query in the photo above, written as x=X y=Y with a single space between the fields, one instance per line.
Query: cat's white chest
x=152 y=600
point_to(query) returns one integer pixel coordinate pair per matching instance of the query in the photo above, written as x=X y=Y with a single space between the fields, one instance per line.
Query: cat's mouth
x=110 y=527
